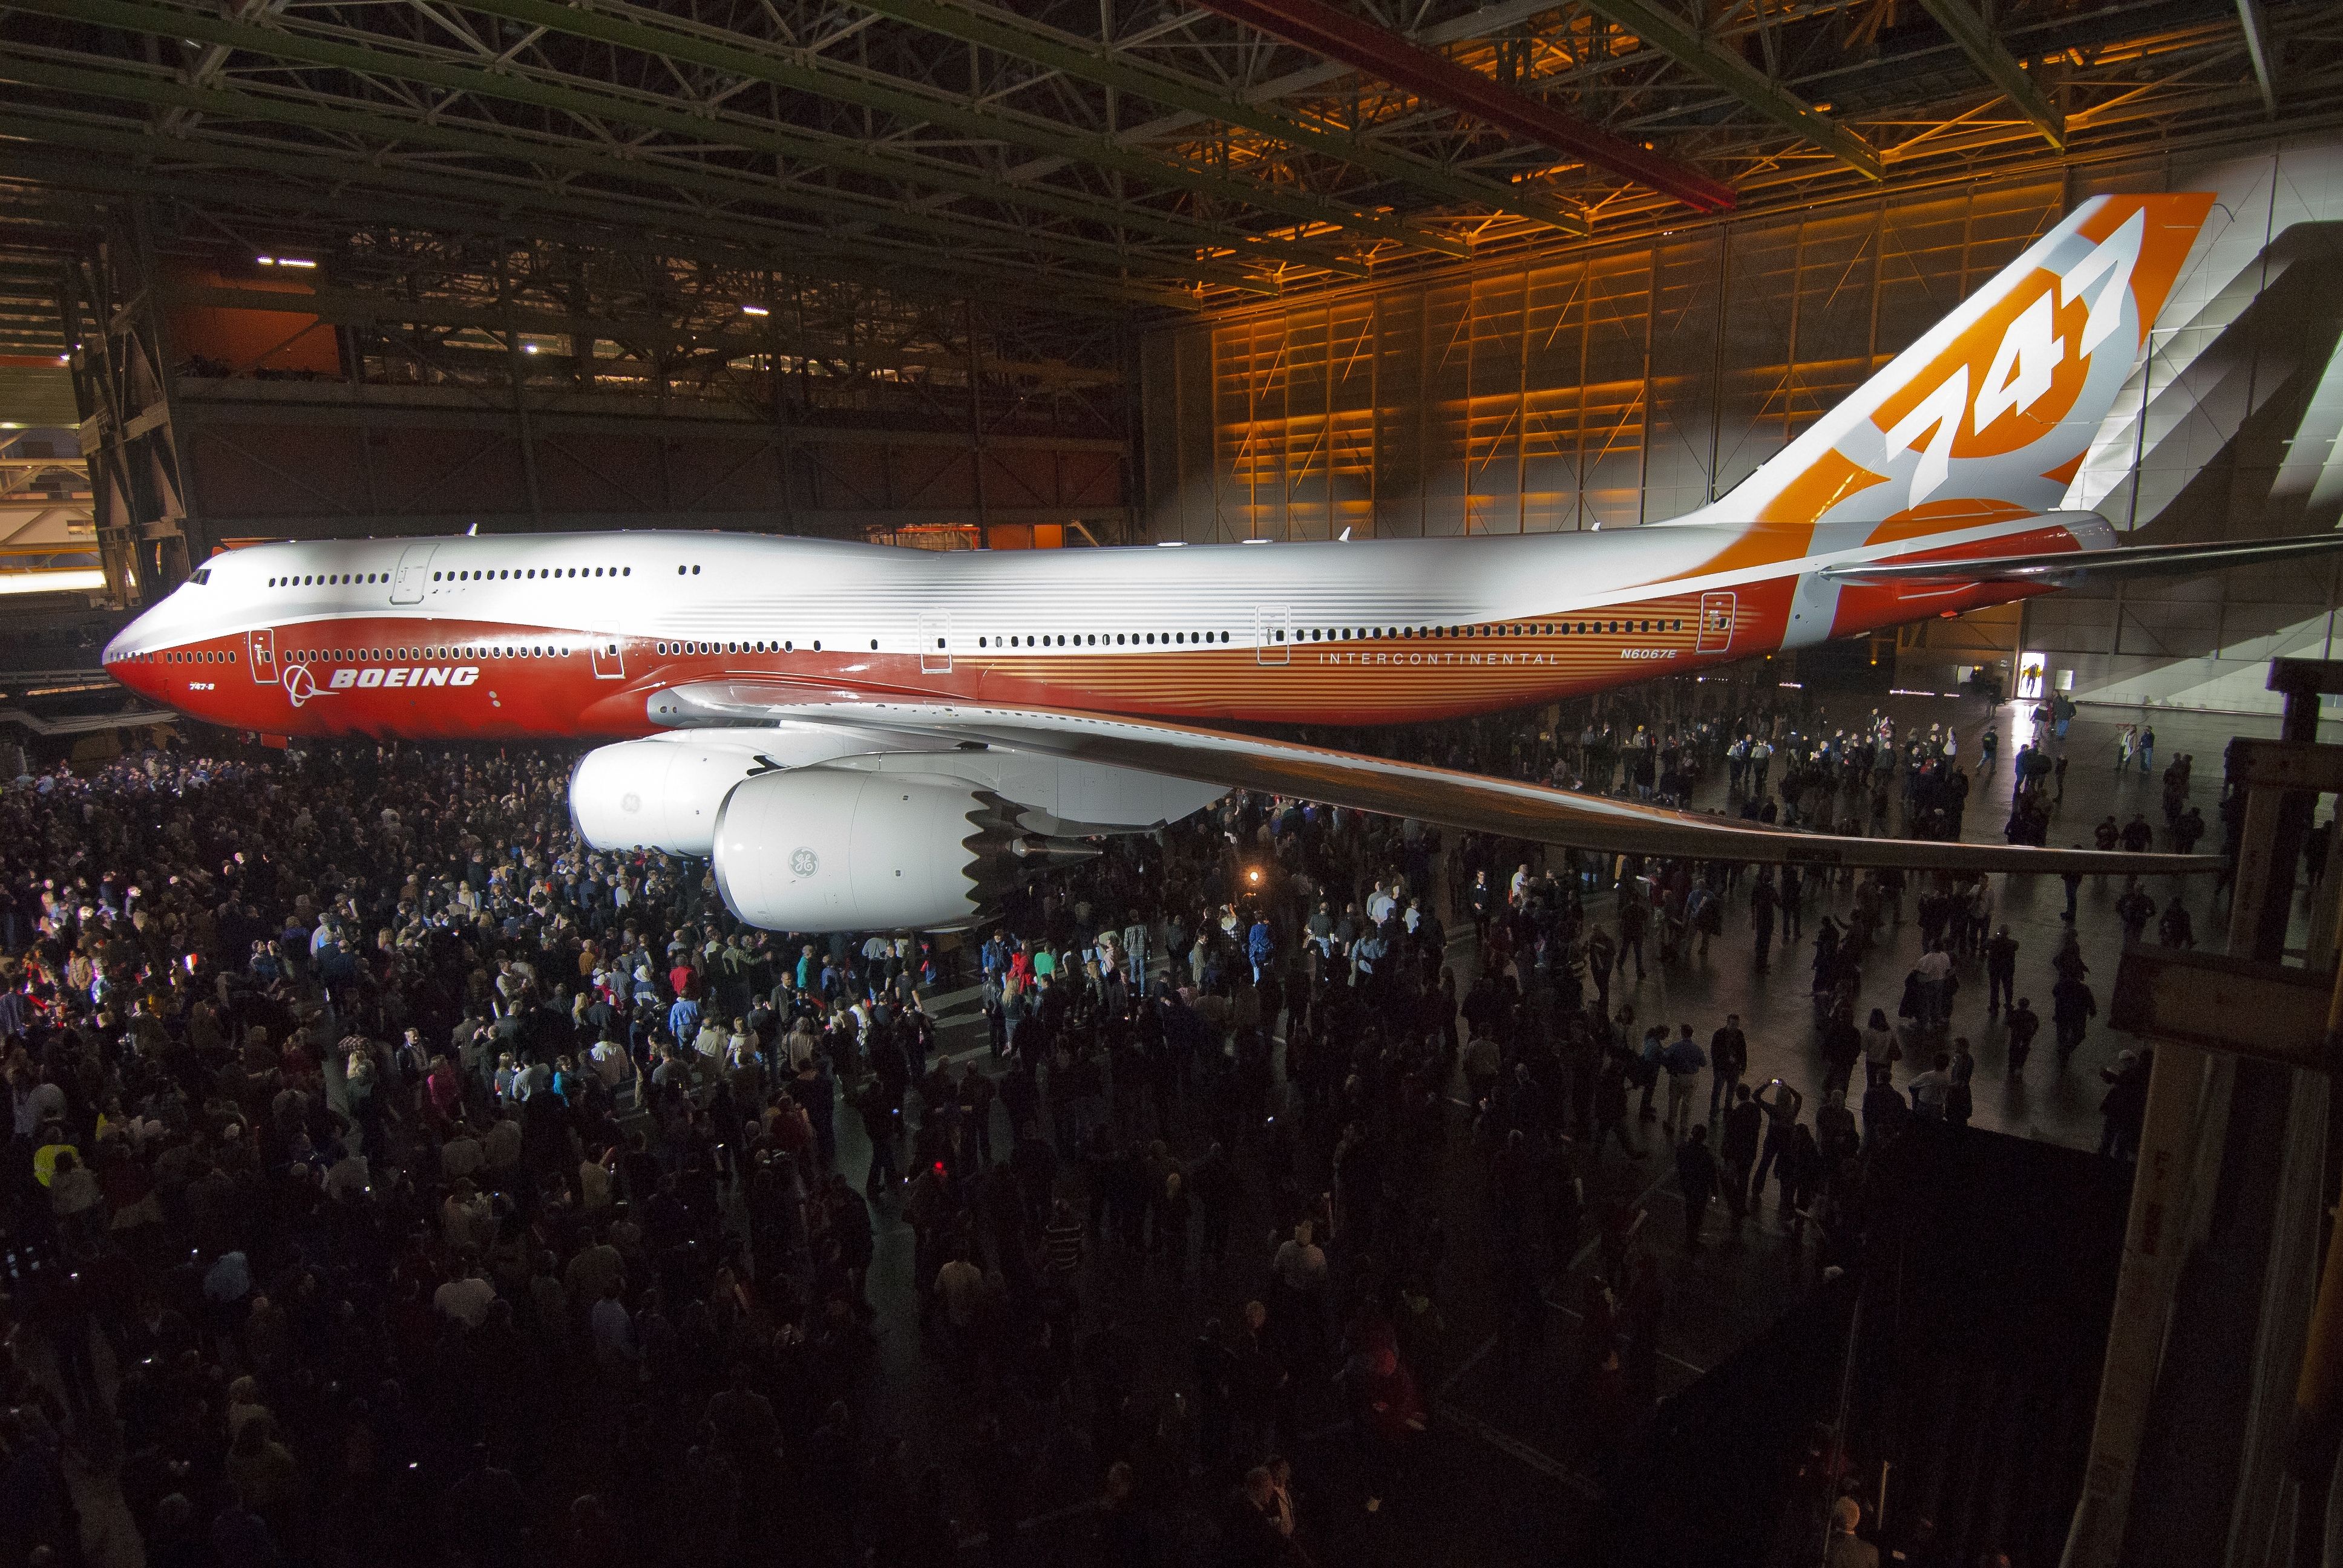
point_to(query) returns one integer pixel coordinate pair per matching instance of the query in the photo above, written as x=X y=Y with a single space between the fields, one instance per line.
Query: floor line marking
x=1579 y=1260
x=1543 y=1463
x=1574 y=1313
x=1452 y=1379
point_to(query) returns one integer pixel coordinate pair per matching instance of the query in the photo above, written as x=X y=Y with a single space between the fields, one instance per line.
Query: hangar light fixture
x=69 y=580
x=754 y=310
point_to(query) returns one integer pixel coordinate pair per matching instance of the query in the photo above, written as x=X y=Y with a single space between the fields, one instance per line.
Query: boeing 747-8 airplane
x=862 y=737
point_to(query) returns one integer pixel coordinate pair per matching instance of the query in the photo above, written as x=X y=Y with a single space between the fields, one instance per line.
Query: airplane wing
x=2059 y=568
x=1463 y=800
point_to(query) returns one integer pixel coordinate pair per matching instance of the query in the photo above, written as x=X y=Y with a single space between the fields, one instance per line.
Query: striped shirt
x=1061 y=1246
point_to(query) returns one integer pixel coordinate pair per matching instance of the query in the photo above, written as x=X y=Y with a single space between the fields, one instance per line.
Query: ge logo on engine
x=804 y=862
x=630 y=803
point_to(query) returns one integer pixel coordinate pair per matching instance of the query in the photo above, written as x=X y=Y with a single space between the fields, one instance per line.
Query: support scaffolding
x=2216 y=1435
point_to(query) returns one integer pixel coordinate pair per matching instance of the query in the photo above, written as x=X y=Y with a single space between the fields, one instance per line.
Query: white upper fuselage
x=571 y=634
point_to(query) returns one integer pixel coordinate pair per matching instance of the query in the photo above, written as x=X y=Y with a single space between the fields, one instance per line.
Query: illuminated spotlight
x=754 y=310
x=294 y=261
x=1252 y=875
x=528 y=348
x=65 y=581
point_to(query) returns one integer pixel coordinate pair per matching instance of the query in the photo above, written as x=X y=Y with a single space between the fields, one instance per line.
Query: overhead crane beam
x=446 y=202
x=736 y=336
x=506 y=86
x=1321 y=72
x=1976 y=36
x=1090 y=62
x=2257 y=49
x=443 y=200
x=1675 y=37
x=516 y=220
x=1338 y=35
x=727 y=186
x=635 y=27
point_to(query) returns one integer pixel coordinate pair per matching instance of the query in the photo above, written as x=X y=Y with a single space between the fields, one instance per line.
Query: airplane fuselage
x=572 y=635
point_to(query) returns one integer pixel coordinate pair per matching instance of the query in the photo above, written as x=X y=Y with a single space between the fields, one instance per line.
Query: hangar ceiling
x=823 y=263
x=1088 y=155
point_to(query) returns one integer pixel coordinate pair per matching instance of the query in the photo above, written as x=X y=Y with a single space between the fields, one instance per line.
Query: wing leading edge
x=1461 y=801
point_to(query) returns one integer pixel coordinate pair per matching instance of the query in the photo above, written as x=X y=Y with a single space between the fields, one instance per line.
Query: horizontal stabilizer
x=2058 y=568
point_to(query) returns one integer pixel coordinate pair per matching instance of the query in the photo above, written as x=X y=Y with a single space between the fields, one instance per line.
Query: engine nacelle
x=663 y=792
x=840 y=848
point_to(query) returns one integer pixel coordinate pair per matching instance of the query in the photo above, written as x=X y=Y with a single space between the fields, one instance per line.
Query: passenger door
x=1715 y=623
x=414 y=571
x=262 y=653
x=609 y=656
x=1273 y=633
x=935 y=642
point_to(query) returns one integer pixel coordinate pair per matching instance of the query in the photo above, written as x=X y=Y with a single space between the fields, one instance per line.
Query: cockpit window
x=203 y=574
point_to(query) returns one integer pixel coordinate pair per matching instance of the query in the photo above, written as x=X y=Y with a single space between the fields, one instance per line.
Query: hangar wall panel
x=1610 y=386
x=1615 y=385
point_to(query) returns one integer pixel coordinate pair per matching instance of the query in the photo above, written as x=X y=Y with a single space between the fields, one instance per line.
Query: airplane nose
x=131 y=673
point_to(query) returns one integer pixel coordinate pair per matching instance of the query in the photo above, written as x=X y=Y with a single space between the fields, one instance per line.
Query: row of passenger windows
x=528 y=573
x=1637 y=628
x=1080 y=639
x=399 y=655
x=192 y=656
x=1096 y=639
x=347 y=579
x=691 y=647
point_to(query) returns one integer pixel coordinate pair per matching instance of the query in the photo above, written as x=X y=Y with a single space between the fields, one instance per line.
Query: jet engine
x=843 y=848
x=663 y=792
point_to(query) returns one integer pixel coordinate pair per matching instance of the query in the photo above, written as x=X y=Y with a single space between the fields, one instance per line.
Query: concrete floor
x=1506 y=1432
x=2047 y=1104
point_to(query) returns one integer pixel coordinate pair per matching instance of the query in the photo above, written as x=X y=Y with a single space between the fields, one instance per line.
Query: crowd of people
x=391 y=1176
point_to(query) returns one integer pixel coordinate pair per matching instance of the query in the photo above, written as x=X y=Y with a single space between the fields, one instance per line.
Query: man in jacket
x=1742 y=1122
x=1728 y=1058
x=1696 y=1180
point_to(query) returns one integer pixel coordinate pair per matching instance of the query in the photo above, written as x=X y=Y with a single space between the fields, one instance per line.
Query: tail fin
x=1988 y=416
